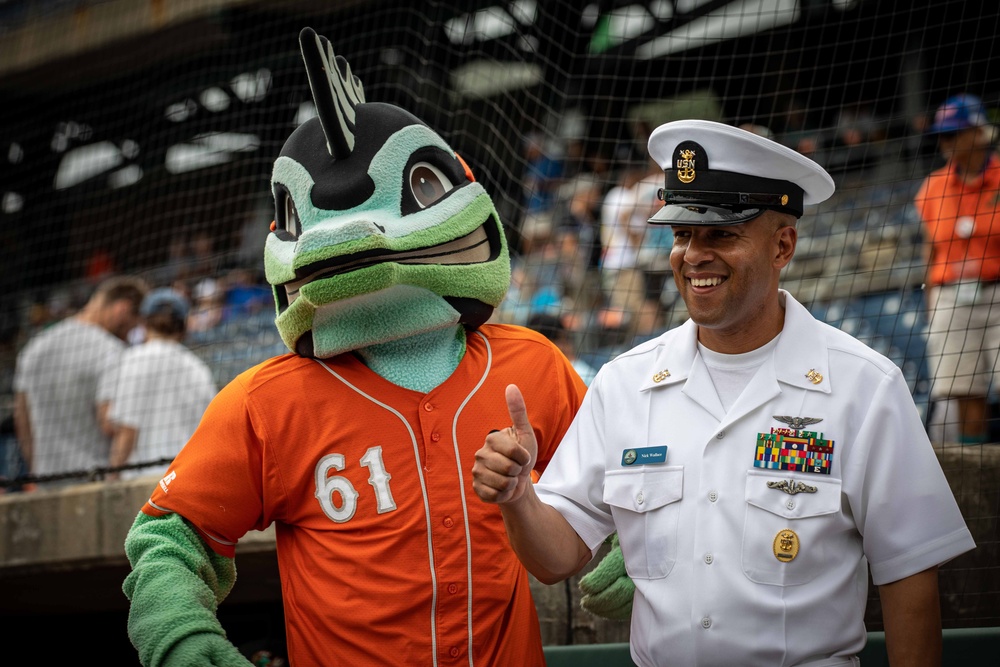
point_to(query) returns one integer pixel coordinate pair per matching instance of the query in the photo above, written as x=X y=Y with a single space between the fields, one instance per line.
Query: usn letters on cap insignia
x=685 y=167
x=688 y=158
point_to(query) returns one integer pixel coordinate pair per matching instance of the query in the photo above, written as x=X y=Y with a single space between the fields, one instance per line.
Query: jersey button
x=448 y=522
x=713 y=496
x=453 y=651
x=428 y=407
x=435 y=436
x=706 y=622
x=452 y=588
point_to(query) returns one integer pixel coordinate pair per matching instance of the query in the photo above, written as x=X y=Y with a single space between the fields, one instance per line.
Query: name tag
x=644 y=456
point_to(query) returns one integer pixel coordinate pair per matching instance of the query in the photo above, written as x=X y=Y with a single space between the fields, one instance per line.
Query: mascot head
x=381 y=232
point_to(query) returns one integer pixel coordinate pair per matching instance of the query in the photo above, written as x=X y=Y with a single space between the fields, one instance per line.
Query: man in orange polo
x=958 y=204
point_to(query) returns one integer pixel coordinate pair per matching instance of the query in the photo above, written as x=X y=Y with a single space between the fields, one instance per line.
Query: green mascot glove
x=175 y=586
x=607 y=589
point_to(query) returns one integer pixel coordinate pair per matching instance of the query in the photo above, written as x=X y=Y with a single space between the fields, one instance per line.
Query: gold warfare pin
x=786 y=545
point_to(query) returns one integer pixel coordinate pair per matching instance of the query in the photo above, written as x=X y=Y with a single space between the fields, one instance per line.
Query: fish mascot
x=386 y=259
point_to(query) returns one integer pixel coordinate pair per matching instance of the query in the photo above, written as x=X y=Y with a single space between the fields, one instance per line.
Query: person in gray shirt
x=64 y=378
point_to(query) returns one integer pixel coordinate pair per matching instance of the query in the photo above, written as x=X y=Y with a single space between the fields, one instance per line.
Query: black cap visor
x=702 y=214
x=723 y=198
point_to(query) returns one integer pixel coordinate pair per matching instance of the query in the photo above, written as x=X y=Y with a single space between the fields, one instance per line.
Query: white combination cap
x=717 y=174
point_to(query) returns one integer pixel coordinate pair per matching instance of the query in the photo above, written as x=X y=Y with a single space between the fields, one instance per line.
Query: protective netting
x=147 y=151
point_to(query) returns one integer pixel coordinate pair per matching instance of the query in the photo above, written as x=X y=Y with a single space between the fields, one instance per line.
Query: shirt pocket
x=770 y=554
x=646 y=511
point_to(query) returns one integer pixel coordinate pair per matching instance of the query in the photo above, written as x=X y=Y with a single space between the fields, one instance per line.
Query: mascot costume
x=387 y=259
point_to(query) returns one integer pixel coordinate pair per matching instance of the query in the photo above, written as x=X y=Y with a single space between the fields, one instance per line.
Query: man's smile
x=707 y=282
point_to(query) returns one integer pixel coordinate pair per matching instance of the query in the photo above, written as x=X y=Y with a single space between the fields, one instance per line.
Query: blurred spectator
x=64 y=378
x=958 y=204
x=797 y=132
x=543 y=173
x=553 y=327
x=180 y=262
x=202 y=260
x=99 y=266
x=634 y=252
x=162 y=389
x=654 y=255
x=12 y=465
x=243 y=295
x=759 y=130
x=253 y=233
x=578 y=241
x=621 y=278
x=850 y=147
x=209 y=299
x=536 y=283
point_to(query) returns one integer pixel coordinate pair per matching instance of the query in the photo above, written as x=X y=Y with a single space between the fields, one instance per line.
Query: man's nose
x=697 y=251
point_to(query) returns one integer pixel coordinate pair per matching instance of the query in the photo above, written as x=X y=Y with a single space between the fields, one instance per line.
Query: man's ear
x=785 y=239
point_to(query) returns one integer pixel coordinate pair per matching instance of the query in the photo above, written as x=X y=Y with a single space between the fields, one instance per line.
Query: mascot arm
x=175 y=588
x=607 y=589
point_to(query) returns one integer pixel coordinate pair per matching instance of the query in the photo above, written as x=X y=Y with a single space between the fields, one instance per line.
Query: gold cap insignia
x=661 y=375
x=685 y=166
x=814 y=376
x=786 y=545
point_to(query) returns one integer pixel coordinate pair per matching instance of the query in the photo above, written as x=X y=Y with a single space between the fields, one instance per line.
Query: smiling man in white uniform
x=755 y=462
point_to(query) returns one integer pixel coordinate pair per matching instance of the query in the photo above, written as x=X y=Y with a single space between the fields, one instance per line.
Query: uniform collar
x=801 y=353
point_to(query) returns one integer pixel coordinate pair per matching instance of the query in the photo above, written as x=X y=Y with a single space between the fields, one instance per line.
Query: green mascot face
x=380 y=232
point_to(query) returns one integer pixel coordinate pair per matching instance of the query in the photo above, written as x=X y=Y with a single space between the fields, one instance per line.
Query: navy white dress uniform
x=749 y=515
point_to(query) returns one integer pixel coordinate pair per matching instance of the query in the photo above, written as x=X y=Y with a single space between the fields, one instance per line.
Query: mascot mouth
x=478 y=246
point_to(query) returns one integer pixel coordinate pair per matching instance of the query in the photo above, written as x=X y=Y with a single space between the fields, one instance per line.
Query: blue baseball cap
x=162 y=298
x=959 y=112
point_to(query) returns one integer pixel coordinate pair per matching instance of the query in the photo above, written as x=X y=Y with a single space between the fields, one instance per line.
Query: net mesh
x=141 y=142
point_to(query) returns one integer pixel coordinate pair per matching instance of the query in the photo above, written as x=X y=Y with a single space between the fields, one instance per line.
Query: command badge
x=786 y=545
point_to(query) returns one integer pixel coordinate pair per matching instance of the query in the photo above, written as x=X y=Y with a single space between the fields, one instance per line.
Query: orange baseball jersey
x=963 y=225
x=386 y=554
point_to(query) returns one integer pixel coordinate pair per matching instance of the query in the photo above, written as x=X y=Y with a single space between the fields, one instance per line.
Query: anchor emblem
x=685 y=166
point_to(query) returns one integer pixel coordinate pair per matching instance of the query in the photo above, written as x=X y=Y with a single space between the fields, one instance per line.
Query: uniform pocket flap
x=793 y=496
x=646 y=489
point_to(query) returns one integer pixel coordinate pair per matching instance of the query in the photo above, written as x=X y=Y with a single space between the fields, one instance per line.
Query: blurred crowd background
x=143 y=147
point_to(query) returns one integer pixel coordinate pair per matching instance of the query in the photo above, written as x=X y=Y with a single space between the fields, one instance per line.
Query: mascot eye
x=291 y=217
x=428 y=184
